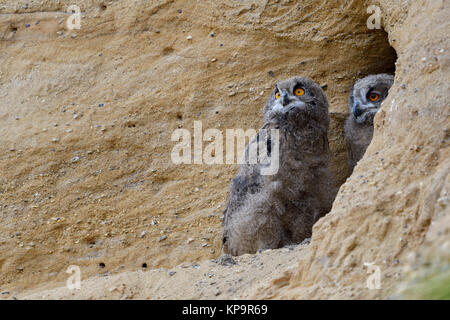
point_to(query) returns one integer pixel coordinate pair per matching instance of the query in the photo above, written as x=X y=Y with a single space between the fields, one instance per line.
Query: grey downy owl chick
x=366 y=98
x=267 y=211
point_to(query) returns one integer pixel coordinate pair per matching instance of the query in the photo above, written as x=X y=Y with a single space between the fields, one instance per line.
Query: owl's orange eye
x=277 y=95
x=374 y=96
x=299 y=91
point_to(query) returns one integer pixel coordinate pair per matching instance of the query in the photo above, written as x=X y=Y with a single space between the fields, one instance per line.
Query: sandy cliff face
x=86 y=118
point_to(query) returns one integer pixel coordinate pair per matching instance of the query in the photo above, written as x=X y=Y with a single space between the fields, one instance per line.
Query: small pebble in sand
x=225 y=260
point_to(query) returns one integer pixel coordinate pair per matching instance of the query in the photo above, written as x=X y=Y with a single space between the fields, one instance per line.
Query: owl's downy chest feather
x=359 y=134
x=299 y=138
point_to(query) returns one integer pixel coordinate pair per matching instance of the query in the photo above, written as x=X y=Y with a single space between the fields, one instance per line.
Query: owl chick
x=274 y=210
x=366 y=98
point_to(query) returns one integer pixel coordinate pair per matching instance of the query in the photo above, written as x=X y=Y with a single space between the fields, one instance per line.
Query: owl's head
x=297 y=98
x=367 y=96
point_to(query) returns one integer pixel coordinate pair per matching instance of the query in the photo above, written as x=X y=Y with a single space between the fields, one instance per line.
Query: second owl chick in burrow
x=272 y=211
x=366 y=98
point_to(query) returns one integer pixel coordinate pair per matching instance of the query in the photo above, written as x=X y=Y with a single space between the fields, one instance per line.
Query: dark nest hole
x=376 y=57
x=380 y=56
x=373 y=55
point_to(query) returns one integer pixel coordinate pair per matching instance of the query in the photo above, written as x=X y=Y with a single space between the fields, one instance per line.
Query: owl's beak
x=285 y=99
x=356 y=109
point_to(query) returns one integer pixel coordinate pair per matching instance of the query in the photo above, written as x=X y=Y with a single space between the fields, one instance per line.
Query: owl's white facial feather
x=278 y=107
